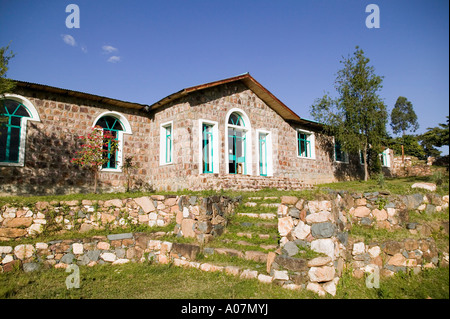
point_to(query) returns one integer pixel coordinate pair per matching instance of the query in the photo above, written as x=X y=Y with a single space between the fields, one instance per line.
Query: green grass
x=430 y=283
x=137 y=281
x=399 y=186
x=146 y=280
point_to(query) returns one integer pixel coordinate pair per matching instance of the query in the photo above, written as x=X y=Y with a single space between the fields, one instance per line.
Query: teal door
x=236 y=151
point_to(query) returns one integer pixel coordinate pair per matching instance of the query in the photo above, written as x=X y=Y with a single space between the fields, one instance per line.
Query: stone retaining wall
x=319 y=225
x=154 y=210
x=323 y=226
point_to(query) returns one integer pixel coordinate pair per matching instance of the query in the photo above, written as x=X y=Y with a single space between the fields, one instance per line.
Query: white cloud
x=68 y=39
x=84 y=49
x=114 y=59
x=108 y=49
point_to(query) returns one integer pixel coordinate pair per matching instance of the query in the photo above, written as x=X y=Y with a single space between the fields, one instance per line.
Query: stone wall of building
x=52 y=143
x=213 y=104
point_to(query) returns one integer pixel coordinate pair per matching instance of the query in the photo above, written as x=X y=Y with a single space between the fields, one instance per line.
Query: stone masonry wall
x=213 y=104
x=323 y=226
x=195 y=216
x=52 y=142
x=320 y=225
x=411 y=166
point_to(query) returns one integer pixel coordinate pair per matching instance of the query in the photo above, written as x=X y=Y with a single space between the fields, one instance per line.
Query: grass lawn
x=136 y=281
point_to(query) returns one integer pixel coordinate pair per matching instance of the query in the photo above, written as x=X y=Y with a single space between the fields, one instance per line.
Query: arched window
x=116 y=125
x=15 y=111
x=236 y=119
x=238 y=142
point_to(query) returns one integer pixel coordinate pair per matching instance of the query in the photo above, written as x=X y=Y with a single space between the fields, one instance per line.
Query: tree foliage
x=358 y=116
x=6 y=85
x=403 y=117
x=435 y=137
x=411 y=146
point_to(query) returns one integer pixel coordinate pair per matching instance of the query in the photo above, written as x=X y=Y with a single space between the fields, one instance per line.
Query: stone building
x=228 y=134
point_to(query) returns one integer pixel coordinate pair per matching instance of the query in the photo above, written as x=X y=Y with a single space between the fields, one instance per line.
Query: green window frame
x=11 y=130
x=236 y=119
x=168 y=143
x=262 y=154
x=304 y=145
x=384 y=158
x=112 y=125
x=339 y=154
x=207 y=148
x=237 y=149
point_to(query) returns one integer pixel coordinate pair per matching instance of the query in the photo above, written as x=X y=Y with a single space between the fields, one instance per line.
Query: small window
x=110 y=125
x=384 y=157
x=207 y=148
x=361 y=157
x=262 y=154
x=166 y=146
x=339 y=154
x=305 y=144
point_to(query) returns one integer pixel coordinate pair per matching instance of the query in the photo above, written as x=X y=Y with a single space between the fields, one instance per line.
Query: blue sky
x=142 y=51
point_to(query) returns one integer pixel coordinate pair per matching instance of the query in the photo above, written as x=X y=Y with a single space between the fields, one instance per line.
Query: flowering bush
x=98 y=146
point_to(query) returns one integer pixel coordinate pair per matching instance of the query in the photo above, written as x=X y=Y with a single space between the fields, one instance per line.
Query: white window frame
x=346 y=157
x=269 y=149
x=248 y=138
x=385 y=154
x=215 y=146
x=312 y=143
x=34 y=117
x=126 y=130
x=162 y=143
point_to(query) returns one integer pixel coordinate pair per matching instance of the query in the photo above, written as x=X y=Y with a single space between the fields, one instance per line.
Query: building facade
x=228 y=134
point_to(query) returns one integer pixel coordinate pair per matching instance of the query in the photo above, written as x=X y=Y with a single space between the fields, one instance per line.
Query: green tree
x=358 y=116
x=435 y=137
x=6 y=85
x=403 y=117
x=410 y=145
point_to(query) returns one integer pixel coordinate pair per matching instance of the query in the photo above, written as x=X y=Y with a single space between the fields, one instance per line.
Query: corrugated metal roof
x=93 y=97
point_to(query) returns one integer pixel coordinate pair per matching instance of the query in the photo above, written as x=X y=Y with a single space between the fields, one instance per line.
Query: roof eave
x=92 y=97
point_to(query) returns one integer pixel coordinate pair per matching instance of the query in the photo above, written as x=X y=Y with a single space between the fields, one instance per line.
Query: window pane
x=109 y=122
x=21 y=111
x=3 y=137
x=168 y=144
x=112 y=158
x=262 y=154
x=14 y=143
x=236 y=119
x=231 y=151
x=15 y=120
x=304 y=145
x=207 y=149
